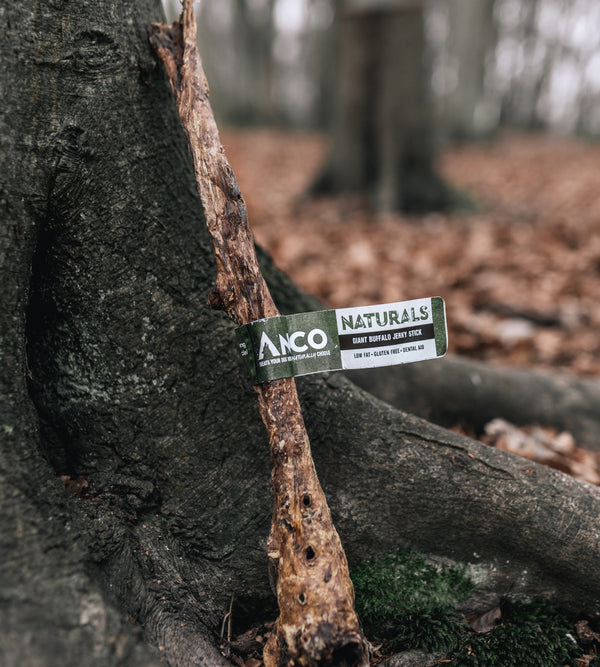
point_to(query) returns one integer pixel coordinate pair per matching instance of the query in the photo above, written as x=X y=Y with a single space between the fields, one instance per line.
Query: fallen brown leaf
x=544 y=445
x=486 y=622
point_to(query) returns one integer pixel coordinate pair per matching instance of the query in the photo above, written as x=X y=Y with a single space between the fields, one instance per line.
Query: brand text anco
x=297 y=342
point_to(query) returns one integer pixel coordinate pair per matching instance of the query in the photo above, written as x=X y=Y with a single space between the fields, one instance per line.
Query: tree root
x=457 y=391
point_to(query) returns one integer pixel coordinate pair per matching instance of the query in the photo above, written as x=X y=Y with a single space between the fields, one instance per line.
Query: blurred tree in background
x=268 y=61
x=382 y=122
x=495 y=63
x=389 y=79
x=467 y=34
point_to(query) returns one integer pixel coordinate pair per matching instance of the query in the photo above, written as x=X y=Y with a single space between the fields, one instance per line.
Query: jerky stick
x=317 y=624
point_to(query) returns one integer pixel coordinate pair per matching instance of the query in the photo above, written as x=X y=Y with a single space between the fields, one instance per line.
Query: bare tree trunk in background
x=471 y=40
x=519 y=106
x=382 y=136
x=326 y=46
x=243 y=81
x=253 y=36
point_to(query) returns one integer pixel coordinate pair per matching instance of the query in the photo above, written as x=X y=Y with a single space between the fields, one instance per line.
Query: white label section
x=386 y=334
x=389 y=356
x=384 y=316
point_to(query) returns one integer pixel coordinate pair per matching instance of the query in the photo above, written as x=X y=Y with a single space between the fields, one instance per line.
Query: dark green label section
x=290 y=345
x=439 y=325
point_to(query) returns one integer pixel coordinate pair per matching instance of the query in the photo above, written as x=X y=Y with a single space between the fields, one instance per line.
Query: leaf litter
x=520 y=272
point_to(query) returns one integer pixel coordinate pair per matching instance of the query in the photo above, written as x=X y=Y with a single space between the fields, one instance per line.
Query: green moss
x=408 y=603
x=404 y=599
x=529 y=635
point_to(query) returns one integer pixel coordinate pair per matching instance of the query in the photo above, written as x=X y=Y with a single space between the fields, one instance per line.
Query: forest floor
x=519 y=272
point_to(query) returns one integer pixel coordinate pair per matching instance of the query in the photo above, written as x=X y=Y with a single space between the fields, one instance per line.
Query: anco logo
x=296 y=342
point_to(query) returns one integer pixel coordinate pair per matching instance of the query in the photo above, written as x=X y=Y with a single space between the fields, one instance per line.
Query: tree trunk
x=382 y=138
x=469 y=114
x=236 y=43
x=134 y=469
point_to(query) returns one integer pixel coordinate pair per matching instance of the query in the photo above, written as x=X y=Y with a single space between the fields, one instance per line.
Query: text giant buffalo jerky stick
x=317 y=623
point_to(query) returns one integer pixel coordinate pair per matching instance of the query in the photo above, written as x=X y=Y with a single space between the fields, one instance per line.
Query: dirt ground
x=519 y=273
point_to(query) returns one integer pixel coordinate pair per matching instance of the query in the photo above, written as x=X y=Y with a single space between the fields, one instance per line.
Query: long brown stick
x=317 y=623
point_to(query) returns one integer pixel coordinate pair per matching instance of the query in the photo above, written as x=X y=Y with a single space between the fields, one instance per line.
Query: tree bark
x=134 y=481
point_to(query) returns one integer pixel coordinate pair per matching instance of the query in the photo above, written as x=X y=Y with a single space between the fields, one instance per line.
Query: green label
x=328 y=340
x=290 y=345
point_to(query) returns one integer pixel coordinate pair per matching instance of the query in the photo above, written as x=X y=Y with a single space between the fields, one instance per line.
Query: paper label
x=346 y=338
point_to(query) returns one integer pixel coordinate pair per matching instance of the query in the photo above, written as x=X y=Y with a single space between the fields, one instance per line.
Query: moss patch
x=529 y=635
x=407 y=603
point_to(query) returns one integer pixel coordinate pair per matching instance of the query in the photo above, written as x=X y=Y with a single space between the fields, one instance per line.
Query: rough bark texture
x=317 y=624
x=137 y=399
